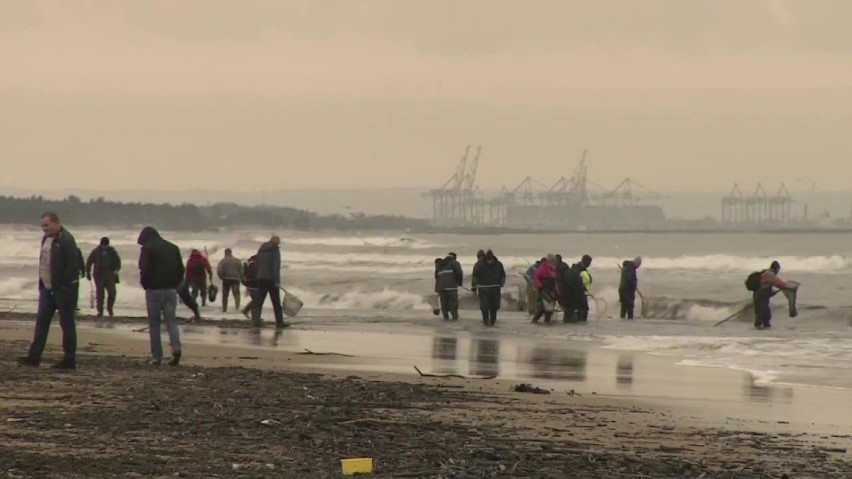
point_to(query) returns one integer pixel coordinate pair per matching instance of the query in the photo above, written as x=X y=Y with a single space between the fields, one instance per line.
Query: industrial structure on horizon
x=573 y=203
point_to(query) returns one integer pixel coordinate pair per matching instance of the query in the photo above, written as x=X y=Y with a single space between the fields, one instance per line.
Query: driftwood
x=308 y=351
x=529 y=388
x=427 y=375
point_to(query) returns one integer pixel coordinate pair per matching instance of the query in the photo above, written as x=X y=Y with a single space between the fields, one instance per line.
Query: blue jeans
x=49 y=302
x=162 y=303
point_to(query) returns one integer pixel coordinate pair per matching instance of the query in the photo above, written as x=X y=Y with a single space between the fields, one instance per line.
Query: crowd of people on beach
x=163 y=275
x=551 y=282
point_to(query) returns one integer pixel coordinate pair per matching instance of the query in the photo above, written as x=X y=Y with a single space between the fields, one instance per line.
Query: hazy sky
x=243 y=94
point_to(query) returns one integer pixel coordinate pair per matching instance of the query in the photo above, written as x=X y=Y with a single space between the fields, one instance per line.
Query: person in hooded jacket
x=198 y=270
x=545 y=283
x=448 y=279
x=627 y=287
x=103 y=265
x=581 y=297
x=489 y=279
x=269 y=280
x=161 y=271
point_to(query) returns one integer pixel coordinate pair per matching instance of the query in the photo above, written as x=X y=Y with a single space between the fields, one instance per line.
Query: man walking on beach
x=59 y=281
x=449 y=278
x=627 y=287
x=103 y=264
x=269 y=280
x=230 y=271
x=160 y=272
x=489 y=279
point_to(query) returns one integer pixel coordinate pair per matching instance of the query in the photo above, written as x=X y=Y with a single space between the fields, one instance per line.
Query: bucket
x=359 y=465
x=291 y=304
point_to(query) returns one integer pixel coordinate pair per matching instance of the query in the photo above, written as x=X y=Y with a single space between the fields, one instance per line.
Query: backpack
x=752 y=283
x=250 y=270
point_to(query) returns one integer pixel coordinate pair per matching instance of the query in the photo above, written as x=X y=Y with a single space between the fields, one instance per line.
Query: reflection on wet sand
x=624 y=370
x=485 y=357
x=762 y=393
x=558 y=363
x=444 y=354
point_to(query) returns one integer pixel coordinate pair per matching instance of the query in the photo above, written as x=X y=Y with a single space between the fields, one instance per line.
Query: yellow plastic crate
x=358 y=465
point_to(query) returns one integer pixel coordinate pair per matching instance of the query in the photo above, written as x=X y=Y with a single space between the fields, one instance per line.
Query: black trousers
x=63 y=301
x=199 y=287
x=627 y=297
x=228 y=286
x=187 y=299
x=762 y=311
x=269 y=287
x=104 y=285
x=449 y=303
x=489 y=304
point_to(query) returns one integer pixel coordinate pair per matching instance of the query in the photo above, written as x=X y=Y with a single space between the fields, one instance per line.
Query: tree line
x=187 y=216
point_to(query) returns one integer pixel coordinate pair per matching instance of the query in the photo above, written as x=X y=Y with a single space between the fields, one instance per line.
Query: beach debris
x=308 y=351
x=15 y=419
x=459 y=376
x=529 y=388
x=270 y=422
x=572 y=393
x=358 y=465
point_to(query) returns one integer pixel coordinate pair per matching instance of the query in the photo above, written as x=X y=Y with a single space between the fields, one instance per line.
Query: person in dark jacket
x=480 y=257
x=198 y=271
x=581 y=293
x=59 y=281
x=161 y=271
x=269 y=280
x=103 y=265
x=250 y=282
x=571 y=293
x=768 y=279
x=627 y=287
x=489 y=278
x=448 y=279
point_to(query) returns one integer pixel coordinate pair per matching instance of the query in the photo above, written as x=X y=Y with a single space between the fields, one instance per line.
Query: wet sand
x=629 y=415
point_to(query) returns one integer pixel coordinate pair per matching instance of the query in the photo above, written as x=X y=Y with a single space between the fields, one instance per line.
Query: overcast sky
x=687 y=95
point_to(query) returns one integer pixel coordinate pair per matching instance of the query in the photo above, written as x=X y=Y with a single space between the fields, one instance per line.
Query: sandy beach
x=236 y=409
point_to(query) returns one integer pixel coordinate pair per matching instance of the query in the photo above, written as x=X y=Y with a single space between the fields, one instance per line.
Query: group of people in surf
x=487 y=282
x=551 y=282
x=553 y=286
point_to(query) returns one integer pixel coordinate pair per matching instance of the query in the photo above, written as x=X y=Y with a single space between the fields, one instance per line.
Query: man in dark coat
x=448 y=279
x=627 y=287
x=59 y=281
x=103 y=265
x=488 y=281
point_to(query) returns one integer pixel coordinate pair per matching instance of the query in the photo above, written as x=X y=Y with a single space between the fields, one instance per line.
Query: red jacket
x=544 y=273
x=198 y=268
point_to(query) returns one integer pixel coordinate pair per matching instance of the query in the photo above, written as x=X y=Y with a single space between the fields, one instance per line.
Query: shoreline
x=318 y=411
x=315 y=323
x=717 y=393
